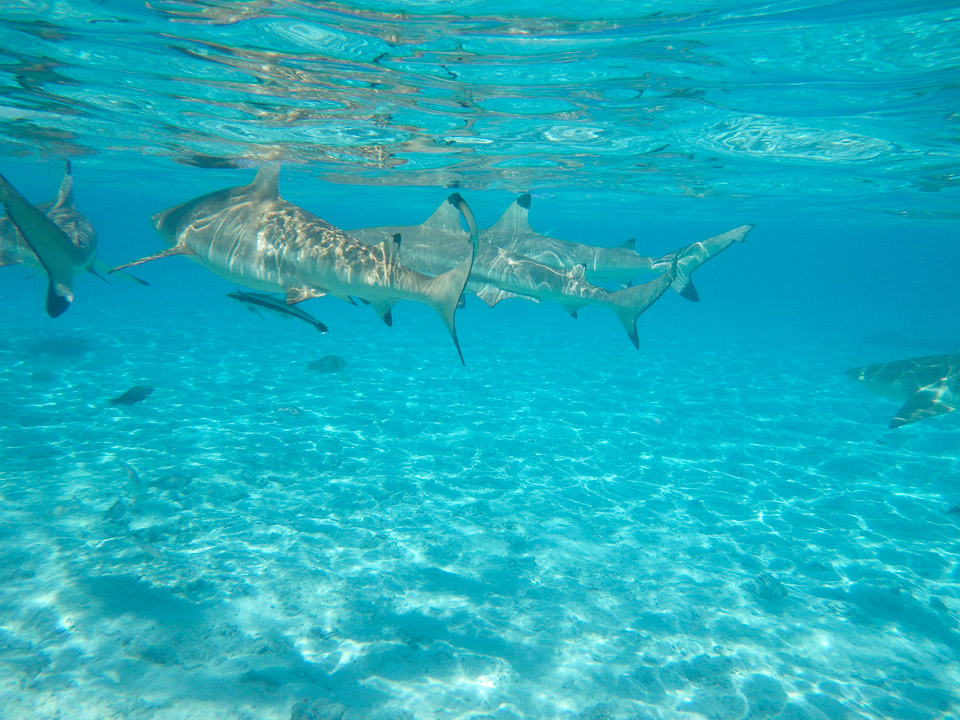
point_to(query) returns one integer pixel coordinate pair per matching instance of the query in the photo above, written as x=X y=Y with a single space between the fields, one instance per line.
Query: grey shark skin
x=930 y=386
x=253 y=301
x=53 y=237
x=253 y=237
x=512 y=232
x=498 y=274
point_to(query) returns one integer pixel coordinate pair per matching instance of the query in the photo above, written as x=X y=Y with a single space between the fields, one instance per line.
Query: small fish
x=132 y=474
x=138 y=393
x=328 y=363
x=253 y=301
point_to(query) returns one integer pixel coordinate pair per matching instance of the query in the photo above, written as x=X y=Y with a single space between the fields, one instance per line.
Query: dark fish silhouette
x=328 y=363
x=136 y=394
x=255 y=301
x=928 y=386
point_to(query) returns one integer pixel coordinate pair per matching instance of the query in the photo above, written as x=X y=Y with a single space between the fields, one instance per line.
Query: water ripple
x=500 y=87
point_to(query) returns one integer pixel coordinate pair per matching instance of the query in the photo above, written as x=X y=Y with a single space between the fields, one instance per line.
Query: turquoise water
x=718 y=526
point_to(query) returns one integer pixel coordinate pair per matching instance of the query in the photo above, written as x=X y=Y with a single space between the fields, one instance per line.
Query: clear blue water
x=718 y=526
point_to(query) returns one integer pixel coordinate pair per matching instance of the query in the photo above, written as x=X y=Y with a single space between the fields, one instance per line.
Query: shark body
x=53 y=237
x=929 y=386
x=253 y=237
x=498 y=274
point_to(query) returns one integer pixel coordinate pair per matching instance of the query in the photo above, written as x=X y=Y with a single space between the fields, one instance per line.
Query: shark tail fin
x=693 y=256
x=630 y=303
x=65 y=194
x=175 y=250
x=445 y=290
x=56 y=252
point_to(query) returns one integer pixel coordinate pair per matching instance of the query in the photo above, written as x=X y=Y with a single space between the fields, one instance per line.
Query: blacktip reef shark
x=498 y=274
x=512 y=232
x=53 y=237
x=255 y=302
x=16 y=248
x=930 y=386
x=253 y=237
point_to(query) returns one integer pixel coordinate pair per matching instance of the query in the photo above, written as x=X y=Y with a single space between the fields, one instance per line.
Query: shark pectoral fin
x=299 y=294
x=491 y=294
x=383 y=308
x=925 y=402
x=571 y=306
x=516 y=219
x=630 y=303
x=169 y=252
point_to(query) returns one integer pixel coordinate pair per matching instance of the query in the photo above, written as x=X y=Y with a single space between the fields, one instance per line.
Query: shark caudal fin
x=629 y=303
x=59 y=256
x=444 y=291
x=693 y=256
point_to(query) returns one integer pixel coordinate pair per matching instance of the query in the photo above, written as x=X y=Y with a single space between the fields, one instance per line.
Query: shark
x=498 y=274
x=928 y=386
x=53 y=237
x=513 y=233
x=251 y=236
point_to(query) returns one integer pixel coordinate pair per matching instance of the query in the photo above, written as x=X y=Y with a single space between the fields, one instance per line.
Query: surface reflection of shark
x=53 y=237
x=253 y=237
x=930 y=385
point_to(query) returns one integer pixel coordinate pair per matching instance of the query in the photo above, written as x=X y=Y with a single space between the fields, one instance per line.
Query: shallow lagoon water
x=718 y=526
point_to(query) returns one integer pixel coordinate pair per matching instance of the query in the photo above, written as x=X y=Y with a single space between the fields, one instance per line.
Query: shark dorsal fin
x=267 y=181
x=515 y=219
x=65 y=194
x=630 y=244
x=445 y=218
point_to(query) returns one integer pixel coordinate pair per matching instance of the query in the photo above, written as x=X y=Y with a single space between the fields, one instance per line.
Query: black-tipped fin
x=690 y=292
x=383 y=308
x=57 y=300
